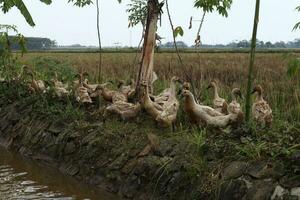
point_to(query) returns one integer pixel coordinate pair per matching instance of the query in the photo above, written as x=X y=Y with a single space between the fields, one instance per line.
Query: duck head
x=212 y=84
x=185 y=86
x=257 y=89
x=186 y=93
x=121 y=83
x=236 y=92
x=81 y=76
x=176 y=79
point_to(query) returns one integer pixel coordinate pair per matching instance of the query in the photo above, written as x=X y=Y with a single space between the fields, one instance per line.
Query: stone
x=69 y=169
x=295 y=157
x=261 y=190
x=70 y=148
x=278 y=193
x=290 y=181
x=233 y=190
x=295 y=192
x=265 y=169
x=234 y=170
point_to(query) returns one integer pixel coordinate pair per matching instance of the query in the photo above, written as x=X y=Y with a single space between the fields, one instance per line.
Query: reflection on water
x=23 y=179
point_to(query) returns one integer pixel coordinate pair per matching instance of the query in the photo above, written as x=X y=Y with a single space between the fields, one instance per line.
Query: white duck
x=165 y=115
x=235 y=106
x=167 y=94
x=219 y=103
x=36 y=85
x=198 y=113
x=60 y=89
x=261 y=111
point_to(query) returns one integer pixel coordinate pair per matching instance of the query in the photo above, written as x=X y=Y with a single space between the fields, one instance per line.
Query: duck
x=59 y=87
x=165 y=114
x=98 y=91
x=261 y=111
x=36 y=85
x=91 y=87
x=168 y=93
x=110 y=95
x=81 y=92
x=128 y=90
x=234 y=106
x=80 y=79
x=125 y=110
x=82 y=95
x=219 y=103
x=199 y=114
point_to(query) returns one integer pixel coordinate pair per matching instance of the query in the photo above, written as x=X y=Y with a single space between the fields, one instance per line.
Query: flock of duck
x=163 y=108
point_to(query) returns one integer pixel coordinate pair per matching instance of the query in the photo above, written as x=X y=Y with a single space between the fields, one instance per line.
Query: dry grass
x=229 y=68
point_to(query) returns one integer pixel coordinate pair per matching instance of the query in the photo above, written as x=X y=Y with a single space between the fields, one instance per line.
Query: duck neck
x=216 y=94
x=190 y=101
x=173 y=87
x=259 y=96
x=233 y=97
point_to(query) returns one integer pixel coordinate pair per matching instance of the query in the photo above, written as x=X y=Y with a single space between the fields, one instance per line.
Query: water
x=23 y=179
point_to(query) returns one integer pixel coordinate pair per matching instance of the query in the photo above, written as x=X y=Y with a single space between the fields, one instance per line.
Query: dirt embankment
x=137 y=163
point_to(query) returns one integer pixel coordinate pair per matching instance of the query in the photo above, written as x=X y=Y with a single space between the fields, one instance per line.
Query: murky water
x=23 y=179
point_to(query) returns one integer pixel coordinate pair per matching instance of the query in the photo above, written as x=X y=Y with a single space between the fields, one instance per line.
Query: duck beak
x=208 y=87
x=253 y=91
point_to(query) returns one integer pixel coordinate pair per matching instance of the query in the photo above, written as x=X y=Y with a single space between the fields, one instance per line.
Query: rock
x=261 y=190
x=290 y=181
x=130 y=165
x=166 y=147
x=70 y=148
x=234 y=170
x=234 y=189
x=69 y=169
x=289 y=197
x=55 y=128
x=295 y=192
x=295 y=157
x=265 y=169
x=278 y=193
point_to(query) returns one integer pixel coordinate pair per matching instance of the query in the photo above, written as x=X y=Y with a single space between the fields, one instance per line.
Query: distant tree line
x=33 y=43
x=240 y=44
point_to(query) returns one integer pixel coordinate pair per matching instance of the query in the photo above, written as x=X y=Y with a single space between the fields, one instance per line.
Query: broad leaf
x=178 y=31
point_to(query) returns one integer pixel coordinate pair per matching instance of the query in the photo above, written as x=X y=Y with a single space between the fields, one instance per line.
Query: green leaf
x=178 y=31
x=24 y=11
x=297 y=26
x=81 y=3
x=48 y=2
x=221 y=6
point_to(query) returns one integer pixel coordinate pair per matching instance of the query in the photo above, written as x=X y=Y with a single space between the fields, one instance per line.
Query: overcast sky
x=71 y=25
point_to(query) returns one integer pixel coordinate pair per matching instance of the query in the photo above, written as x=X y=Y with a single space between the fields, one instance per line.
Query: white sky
x=71 y=25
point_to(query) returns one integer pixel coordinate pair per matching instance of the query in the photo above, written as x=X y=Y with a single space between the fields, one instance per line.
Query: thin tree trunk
x=146 y=68
x=187 y=76
x=252 y=60
x=99 y=42
x=174 y=38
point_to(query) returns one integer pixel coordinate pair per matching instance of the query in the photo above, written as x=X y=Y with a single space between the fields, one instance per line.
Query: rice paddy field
x=230 y=69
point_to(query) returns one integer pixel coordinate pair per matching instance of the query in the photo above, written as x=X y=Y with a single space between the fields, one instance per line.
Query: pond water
x=24 y=179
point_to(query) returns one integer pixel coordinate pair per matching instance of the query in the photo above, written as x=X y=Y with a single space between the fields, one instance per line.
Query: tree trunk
x=146 y=67
x=252 y=59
